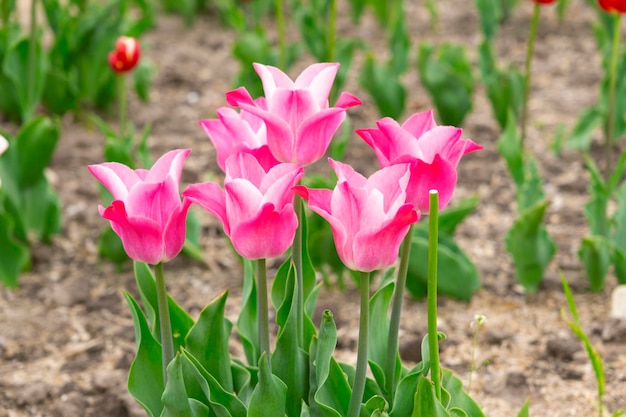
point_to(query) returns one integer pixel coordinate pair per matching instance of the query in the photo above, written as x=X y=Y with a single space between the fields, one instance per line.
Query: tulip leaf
x=426 y=403
x=14 y=254
x=531 y=191
x=452 y=216
x=270 y=394
x=582 y=134
x=207 y=341
x=510 y=147
x=145 y=378
x=459 y=399
x=490 y=14
x=595 y=255
x=247 y=326
x=379 y=331
x=403 y=400
x=525 y=410
x=458 y=276
x=35 y=144
x=181 y=321
x=595 y=209
x=176 y=402
x=384 y=86
x=530 y=246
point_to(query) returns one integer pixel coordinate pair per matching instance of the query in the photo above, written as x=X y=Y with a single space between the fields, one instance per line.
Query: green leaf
x=531 y=191
x=582 y=134
x=595 y=209
x=426 y=403
x=619 y=218
x=379 y=331
x=595 y=255
x=34 y=144
x=14 y=254
x=145 y=377
x=142 y=76
x=510 y=147
x=181 y=321
x=530 y=246
x=458 y=276
x=207 y=341
x=270 y=394
x=524 y=411
x=175 y=401
x=452 y=216
x=459 y=399
x=403 y=400
x=247 y=325
x=490 y=15
x=385 y=87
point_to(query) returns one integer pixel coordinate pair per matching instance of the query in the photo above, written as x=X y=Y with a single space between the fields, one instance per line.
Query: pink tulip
x=146 y=212
x=237 y=132
x=369 y=217
x=433 y=151
x=300 y=125
x=256 y=207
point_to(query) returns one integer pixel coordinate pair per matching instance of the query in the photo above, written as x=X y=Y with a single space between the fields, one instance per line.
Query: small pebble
x=618 y=303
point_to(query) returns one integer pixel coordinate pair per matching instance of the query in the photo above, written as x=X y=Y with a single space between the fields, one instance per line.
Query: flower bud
x=126 y=54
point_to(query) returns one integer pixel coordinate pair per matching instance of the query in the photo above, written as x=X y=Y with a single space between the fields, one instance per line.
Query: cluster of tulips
x=263 y=149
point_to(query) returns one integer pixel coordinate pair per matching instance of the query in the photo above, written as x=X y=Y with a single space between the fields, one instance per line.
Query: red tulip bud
x=126 y=54
x=611 y=6
x=545 y=1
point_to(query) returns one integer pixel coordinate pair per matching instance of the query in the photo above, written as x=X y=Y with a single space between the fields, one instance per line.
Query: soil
x=67 y=339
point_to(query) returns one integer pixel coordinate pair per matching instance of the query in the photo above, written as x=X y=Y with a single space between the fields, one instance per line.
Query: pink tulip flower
x=369 y=217
x=146 y=212
x=255 y=207
x=235 y=132
x=433 y=151
x=300 y=124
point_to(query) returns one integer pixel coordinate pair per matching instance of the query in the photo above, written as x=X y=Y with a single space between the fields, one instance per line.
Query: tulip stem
x=532 y=35
x=263 y=312
x=32 y=50
x=332 y=26
x=361 y=360
x=296 y=255
x=121 y=96
x=396 y=312
x=167 y=342
x=612 y=81
x=433 y=337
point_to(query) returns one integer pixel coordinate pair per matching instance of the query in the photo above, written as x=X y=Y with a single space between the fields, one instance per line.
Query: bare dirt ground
x=66 y=336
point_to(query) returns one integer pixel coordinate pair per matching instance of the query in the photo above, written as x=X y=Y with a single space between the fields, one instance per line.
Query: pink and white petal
x=419 y=123
x=175 y=231
x=268 y=235
x=238 y=97
x=264 y=156
x=155 y=201
x=278 y=183
x=217 y=133
x=170 y=163
x=243 y=201
x=210 y=197
x=318 y=79
x=345 y=173
x=347 y=100
x=315 y=134
x=392 y=181
x=438 y=141
x=241 y=132
x=116 y=177
x=272 y=79
x=293 y=106
x=440 y=176
x=461 y=148
x=400 y=145
x=378 y=249
x=244 y=165
x=378 y=142
x=141 y=237
x=280 y=136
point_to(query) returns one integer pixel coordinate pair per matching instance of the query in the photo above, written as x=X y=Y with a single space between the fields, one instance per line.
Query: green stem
x=396 y=312
x=433 y=338
x=612 y=81
x=532 y=35
x=280 y=27
x=263 y=312
x=121 y=96
x=32 y=45
x=332 y=27
x=361 y=360
x=167 y=342
x=296 y=255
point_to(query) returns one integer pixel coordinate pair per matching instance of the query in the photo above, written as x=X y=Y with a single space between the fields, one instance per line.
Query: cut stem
x=396 y=312
x=612 y=81
x=165 y=325
x=263 y=312
x=532 y=35
x=361 y=360
x=433 y=337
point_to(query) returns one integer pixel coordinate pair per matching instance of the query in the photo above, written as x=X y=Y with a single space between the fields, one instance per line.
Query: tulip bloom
x=369 y=217
x=613 y=6
x=544 y=1
x=239 y=132
x=255 y=207
x=146 y=212
x=433 y=152
x=126 y=54
x=300 y=124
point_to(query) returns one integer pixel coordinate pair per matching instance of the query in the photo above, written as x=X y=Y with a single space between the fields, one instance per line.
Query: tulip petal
x=278 y=183
x=175 y=231
x=267 y=235
x=347 y=100
x=419 y=123
x=318 y=79
x=141 y=236
x=315 y=134
x=243 y=200
x=170 y=163
x=439 y=141
x=246 y=166
x=279 y=133
x=345 y=173
x=155 y=201
x=238 y=97
x=272 y=78
x=116 y=177
x=440 y=176
x=210 y=197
